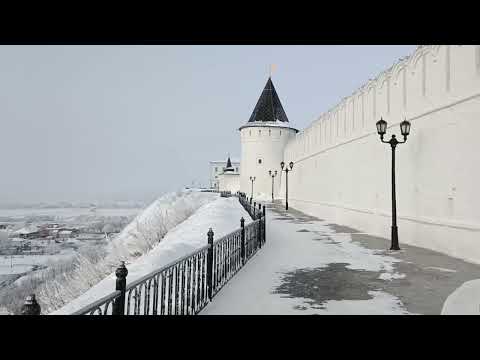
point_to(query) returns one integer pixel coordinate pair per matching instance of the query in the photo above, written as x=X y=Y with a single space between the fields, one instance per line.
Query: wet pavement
x=309 y=263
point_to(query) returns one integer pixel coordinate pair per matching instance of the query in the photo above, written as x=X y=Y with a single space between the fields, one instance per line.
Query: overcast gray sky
x=86 y=123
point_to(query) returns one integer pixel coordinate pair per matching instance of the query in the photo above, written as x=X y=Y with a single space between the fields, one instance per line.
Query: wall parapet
x=428 y=79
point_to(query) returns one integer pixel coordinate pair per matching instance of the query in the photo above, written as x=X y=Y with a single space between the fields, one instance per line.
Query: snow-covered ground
x=222 y=215
x=261 y=197
x=18 y=264
x=293 y=244
x=464 y=301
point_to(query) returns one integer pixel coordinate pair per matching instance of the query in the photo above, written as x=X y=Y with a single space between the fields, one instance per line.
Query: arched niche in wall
x=465 y=62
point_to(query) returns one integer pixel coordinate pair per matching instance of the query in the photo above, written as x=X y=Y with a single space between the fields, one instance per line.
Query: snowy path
x=309 y=266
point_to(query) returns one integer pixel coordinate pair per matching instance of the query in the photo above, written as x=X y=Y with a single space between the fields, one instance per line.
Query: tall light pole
x=273 y=176
x=405 y=130
x=252 y=179
x=282 y=165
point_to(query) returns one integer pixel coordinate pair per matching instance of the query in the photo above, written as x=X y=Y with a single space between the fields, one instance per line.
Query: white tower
x=263 y=140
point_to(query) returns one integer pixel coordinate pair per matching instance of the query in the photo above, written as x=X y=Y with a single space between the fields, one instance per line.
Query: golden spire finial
x=273 y=67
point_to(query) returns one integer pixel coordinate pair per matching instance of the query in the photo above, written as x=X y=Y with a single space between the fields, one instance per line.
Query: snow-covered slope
x=222 y=215
x=151 y=225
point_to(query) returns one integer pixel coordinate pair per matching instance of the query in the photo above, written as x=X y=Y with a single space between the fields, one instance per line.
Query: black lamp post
x=273 y=176
x=252 y=179
x=405 y=130
x=282 y=165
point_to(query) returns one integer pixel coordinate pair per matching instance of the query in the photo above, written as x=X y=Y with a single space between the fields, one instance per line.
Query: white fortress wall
x=342 y=171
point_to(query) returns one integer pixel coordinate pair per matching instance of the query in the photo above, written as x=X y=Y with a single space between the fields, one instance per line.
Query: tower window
x=250 y=132
x=269 y=132
x=259 y=161
x=236 y=169
x=259 y=132
x=216 y=169
x=280 y=132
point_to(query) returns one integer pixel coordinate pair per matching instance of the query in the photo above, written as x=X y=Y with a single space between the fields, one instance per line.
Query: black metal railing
x=104 y=306
x=185 y=286
x=176 y=289
x=225 y=193
x=250 y=206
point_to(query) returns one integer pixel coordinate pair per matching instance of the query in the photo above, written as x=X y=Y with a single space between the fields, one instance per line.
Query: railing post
x=30 y=306
x=242 y=241
x=264 y=225
x=120 y=285
x=210 y=265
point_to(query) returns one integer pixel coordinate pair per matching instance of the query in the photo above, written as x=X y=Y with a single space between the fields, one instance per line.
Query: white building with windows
x=229 y=179
x=216 y=169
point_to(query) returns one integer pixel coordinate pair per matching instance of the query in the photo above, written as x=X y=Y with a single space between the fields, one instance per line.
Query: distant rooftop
x=234 y=161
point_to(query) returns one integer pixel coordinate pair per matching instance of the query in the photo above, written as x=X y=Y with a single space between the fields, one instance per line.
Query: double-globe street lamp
x=272 y=176
x=252 y=179
x=405 y=130
x=282 y=165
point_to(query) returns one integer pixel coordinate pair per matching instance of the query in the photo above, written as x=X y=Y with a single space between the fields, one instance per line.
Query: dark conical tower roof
x=269 y=107
x=229 y=166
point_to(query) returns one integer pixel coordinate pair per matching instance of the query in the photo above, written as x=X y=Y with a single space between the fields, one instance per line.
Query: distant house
x=52 y=230
x=43 y=232
x=28 y=232
x=218 y=167
x=64 y=234
x=91 y=236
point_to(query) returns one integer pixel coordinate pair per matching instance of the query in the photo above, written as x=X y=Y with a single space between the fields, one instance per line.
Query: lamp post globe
x=282 y=165
x=381 y=127
x=405 y=128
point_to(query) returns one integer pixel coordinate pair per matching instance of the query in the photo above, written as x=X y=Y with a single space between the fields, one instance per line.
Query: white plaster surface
x=342 y=171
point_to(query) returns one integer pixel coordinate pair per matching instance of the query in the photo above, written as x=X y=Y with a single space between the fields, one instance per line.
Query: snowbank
x=68 y=279
x=222 y=215
x=261 y=197
x=149 y=227
x=464 y=301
